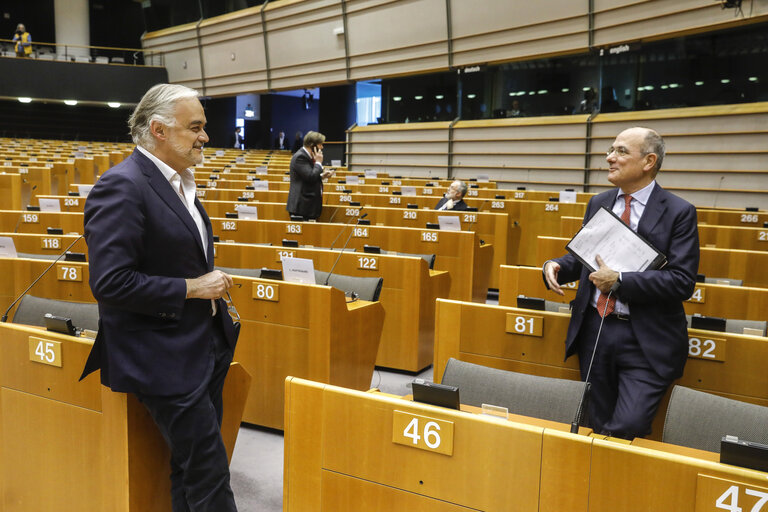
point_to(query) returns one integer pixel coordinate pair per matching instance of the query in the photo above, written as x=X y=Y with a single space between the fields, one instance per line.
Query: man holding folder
x=644 y=340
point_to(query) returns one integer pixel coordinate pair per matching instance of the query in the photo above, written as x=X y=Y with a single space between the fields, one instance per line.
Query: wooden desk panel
x=738 y=302
x=458 y=252
x=309 y=331
x=69 y=442
x=37 y=222
x=724 y=263
x=408 y=294
x=732 y=368
x=50 y=245
x=10 y=191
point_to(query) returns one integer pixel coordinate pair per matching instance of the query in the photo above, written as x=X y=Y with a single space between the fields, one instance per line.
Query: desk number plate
x=526 y=325
x=717 y=494
x=263 y=291
x=422 y=432
x=45 y=351
x=69 y=273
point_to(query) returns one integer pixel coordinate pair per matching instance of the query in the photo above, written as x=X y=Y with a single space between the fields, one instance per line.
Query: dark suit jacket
x=457 y=207
x=305 y=197
x=142 y=244
x=286 y=143
x=655 y=297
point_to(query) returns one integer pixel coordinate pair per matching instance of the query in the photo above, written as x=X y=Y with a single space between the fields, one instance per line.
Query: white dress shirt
x=637 y=207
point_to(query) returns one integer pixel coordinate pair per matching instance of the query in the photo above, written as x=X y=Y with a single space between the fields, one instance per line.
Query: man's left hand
x=604 y=277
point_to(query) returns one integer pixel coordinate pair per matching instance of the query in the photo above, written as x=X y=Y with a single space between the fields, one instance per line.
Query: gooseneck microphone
x=347 y=224
x=585 y=394
x=5 y=316
x=342 y=250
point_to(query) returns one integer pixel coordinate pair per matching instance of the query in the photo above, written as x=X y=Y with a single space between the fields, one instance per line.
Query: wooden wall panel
x=302 y=43
x=716 y=156
x=177 y=49
x=631 y=20
x=500 y=31
x=400 y=149
x=233 y=53
x=389 y=38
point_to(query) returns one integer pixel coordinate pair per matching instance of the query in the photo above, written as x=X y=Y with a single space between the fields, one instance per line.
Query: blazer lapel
x=209 y=232
x=654 y=210
x=163 y=189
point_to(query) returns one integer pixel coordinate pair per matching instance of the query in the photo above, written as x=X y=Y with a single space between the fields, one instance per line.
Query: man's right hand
x=550 y=274
x=212 y=285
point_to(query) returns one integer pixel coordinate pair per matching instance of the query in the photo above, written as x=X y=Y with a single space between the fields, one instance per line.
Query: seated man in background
x=305 y=196
x=454 y=198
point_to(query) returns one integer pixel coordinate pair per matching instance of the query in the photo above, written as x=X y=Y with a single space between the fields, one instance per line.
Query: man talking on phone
x=305 y=198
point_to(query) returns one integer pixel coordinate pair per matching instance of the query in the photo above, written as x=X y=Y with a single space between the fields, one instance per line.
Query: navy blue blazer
x=305 y=196
x=142 y=245
x=655 y=297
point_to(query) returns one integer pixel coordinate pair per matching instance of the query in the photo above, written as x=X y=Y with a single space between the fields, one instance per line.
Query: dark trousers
x=190 y=424
x=625 y=390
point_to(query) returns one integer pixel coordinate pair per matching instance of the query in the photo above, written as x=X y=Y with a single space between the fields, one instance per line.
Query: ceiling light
x=71 y=103
x=564 y=89
x=471 y=96
x=674 y=86
x=699 y=83
x=531 y=93
x=513 y=94
x=439 y=97
x=543 y=91
x=725 y=81
x=753 y=79
x=397 y=98
x=649 y=87
x=665 y=86
x=113 y=104
x=641 y=88
x=419 y=97
x=585 y=88
x=25 y=100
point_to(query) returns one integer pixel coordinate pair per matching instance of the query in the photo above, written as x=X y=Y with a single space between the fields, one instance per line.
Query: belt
x=620 y=316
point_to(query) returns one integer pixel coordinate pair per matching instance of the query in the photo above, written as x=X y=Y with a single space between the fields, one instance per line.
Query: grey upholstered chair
x=31 y=311
x=700 y=420
x=737 y=326
x=366 y=288
x=724 y=280
x=34 y=256
x=429 y=258
x=530 y=395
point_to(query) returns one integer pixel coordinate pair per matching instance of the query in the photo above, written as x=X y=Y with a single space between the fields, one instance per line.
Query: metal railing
x=85 y=53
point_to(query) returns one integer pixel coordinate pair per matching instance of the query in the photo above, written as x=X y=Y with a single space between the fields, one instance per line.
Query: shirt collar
x=166 y=170
x=642 y=195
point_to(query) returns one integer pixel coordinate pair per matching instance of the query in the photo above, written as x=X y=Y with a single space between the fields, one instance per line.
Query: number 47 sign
x=715 y=494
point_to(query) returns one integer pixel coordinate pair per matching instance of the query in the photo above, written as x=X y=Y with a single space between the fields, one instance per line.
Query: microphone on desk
x=471 y=224
x=5 y=315
x=342 y=249
x=347 y=224
x=585 y=395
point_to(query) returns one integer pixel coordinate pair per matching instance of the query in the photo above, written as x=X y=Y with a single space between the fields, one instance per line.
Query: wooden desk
x=307 y=330
x=408 y=294
x=725 y=364
x=730 y=263
x=458 y=252
x=340 y=456
x=49 y=245
x=68 y=444
x=37 y=222
x=738 y=302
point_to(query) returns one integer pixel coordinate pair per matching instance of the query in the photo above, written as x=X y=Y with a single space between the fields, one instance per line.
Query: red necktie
x=603 y=302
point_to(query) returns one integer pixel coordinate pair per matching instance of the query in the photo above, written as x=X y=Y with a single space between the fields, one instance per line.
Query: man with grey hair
x=305 y=196
x=165 y=333
x=639 y=316
x=454 y=197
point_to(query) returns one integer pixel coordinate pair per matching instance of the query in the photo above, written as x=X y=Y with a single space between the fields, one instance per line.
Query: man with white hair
x=165 y=333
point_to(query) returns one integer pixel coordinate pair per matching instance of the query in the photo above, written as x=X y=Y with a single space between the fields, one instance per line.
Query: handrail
x=37 y=43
